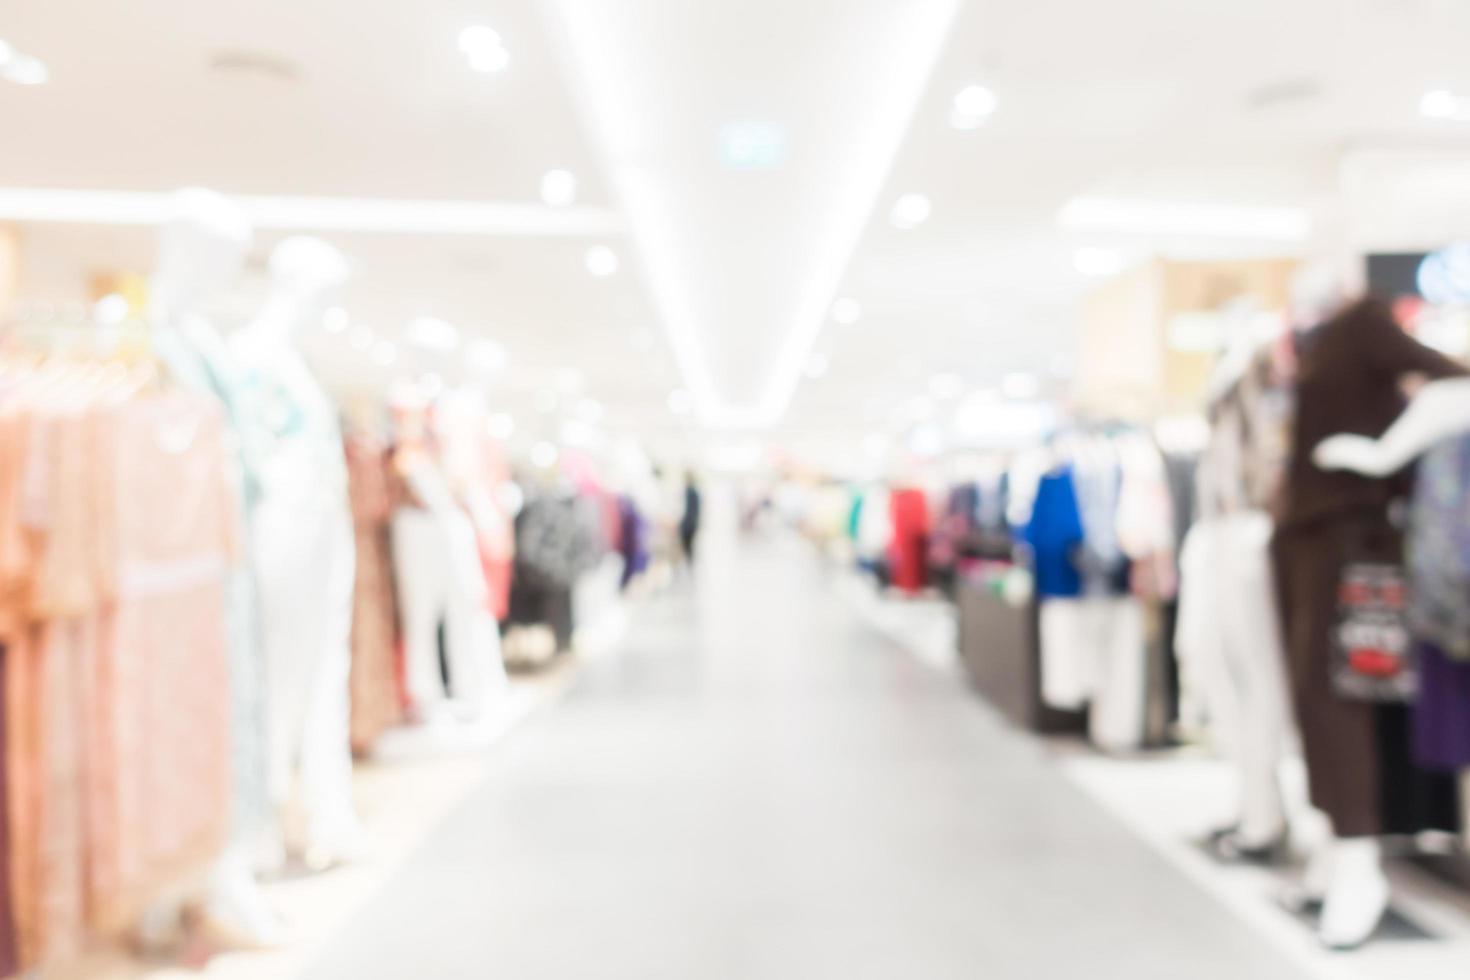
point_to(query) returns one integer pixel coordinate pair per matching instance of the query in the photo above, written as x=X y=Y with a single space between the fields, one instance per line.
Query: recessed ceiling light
x=601 y=261
x=1444 y=104
x=972 y=105
x=111 y=309
x=817 y=366
x=558 y=188
x=910 y=211
x=1096 y=262
x=846 y=310
x=483 y=49
x=22 y=69
x=681 y=402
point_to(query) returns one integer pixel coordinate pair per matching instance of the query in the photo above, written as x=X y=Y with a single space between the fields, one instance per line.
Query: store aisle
x=759 y=786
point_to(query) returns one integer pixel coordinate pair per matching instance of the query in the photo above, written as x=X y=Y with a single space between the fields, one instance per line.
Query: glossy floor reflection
x=759 y=786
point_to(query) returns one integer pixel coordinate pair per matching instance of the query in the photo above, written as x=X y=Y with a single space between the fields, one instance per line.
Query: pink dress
x=159 y=797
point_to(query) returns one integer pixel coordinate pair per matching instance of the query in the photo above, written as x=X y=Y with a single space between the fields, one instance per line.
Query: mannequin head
x=201 y=249
x=307 y=274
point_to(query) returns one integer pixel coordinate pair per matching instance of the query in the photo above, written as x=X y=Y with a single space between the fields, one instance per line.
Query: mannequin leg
x=290 y=594
x=235 y=908
x=332 y=829
x=1357 y=893
x=1258 y=662
x=469 y=633
x=419 y=561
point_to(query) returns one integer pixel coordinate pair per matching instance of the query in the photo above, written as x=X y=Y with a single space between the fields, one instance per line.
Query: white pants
x=305 y=560
x=1093 y=650
x=439 y=579
x=1229 y=645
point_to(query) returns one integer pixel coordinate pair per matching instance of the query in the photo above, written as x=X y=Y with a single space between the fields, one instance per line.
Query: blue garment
x=1054 y=534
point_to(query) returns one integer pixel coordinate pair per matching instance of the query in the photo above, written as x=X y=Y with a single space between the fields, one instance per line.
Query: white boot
x=236 y=913
x=1357 y=894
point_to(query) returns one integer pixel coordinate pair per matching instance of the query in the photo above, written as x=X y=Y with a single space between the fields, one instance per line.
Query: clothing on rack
x=117 y=532
x=374 y=679
x=1358 y=754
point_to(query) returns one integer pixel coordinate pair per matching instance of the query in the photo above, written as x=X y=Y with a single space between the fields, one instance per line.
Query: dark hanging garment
x=1360 y=769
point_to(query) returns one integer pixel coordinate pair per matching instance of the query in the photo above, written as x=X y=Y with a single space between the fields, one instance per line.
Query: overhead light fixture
x=601 y=261
x=972 y=105
x=680 y=402
x=502 y=426
x=111 y=309
x=1444 y=104
x=1097 y=262
x=1020 y=386
x=349 y=214
x=22 y=69
x=483 y=49
x=817 y=366
x=544 y=455
x=752 y=145
x=846 y=310
x=910 y=211
x=1188 y=220
x=558 y=188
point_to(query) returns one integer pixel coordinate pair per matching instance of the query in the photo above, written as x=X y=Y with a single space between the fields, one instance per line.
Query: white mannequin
x=201 y=249
x=439 y=578
x=1358 y=892
x=304 y=555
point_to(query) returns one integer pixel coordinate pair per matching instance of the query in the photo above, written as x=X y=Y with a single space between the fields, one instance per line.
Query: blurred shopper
x=689 y=523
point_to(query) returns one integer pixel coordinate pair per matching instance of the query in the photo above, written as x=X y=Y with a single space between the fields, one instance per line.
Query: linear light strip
x=1187 y=219
x=343 y=214
x=655 y=221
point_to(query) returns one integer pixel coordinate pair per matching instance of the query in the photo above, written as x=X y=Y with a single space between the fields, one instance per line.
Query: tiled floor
x=759 y=786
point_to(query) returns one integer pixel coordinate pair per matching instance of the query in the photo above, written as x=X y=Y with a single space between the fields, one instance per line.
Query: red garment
x=908 y=569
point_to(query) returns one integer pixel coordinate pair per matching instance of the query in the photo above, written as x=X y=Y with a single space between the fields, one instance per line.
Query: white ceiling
x=727 y=275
